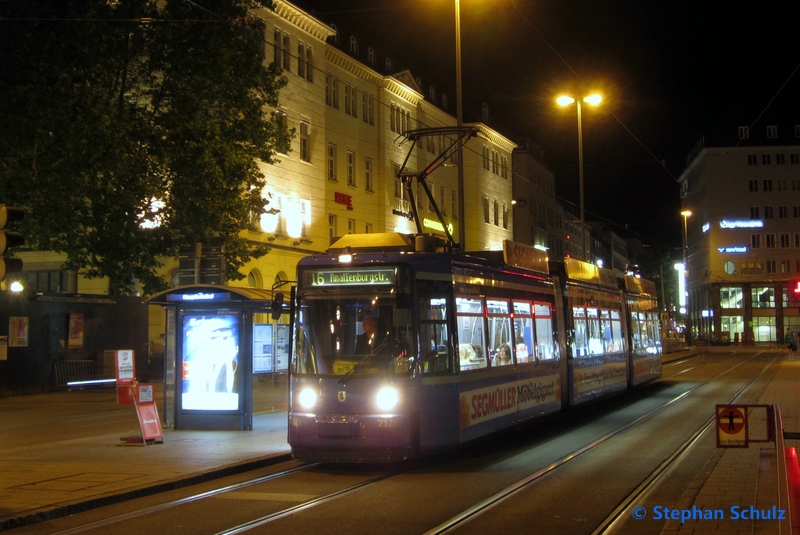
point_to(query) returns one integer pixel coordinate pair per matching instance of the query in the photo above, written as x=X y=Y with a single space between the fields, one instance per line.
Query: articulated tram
x=402 y=350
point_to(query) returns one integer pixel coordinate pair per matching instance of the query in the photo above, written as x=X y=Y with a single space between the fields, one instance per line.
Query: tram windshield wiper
x=356 y=366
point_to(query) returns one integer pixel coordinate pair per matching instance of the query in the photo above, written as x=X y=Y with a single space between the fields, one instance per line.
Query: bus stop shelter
x=216 y=339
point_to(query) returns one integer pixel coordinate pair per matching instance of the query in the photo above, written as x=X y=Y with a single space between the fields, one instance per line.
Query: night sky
x=668 y=71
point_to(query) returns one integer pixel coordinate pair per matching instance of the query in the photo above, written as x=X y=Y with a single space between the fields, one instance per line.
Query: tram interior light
x=307 y=398
x=387 y=398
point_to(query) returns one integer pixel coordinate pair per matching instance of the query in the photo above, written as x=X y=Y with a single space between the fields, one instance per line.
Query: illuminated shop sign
x=343 y=199
x=401 y=213
x=435 y=225
x=706 y=227
x=201 y=296
x=352 y=277
x=738 y=249
x=748 y=223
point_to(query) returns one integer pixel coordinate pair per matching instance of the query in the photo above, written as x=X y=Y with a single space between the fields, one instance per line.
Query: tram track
x=182 y=501
x=613 y=523
x=613 y=520
x=469 y=514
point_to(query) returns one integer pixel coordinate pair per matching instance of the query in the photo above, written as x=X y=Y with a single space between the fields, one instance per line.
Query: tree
x=134 y=127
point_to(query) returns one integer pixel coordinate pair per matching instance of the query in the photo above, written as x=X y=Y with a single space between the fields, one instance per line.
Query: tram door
x=436 y=347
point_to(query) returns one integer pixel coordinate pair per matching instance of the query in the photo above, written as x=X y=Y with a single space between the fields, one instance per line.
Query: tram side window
x=523 y=332
x=595 y=334
x=500 y=341
x=435 y=357
x=471 y=333
x=639 y=333
x=615 y=341
x=581 y=345
x=545 y=347
x=653 y=333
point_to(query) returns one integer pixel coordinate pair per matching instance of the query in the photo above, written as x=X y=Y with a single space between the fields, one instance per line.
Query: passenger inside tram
x=374 y=340
x=503 y=356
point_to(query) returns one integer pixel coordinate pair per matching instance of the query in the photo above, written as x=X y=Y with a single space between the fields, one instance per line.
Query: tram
x=403 y=348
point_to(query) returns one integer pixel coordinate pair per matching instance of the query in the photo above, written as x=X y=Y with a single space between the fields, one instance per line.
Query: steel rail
x=181 y=501
x=241 y=528
x=614 y=521
x=463 y=517
x=517 y=487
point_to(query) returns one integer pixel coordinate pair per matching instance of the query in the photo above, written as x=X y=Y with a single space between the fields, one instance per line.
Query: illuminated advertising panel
x=200 y=296
x=210 y=375
x=747 y=223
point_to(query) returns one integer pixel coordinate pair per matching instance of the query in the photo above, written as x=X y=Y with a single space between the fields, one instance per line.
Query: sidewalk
x=744 y=477
x=50 y=470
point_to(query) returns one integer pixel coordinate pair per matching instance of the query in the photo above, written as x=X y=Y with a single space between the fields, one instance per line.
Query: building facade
x=743 y=235
x=538 y=216
x=349 y=109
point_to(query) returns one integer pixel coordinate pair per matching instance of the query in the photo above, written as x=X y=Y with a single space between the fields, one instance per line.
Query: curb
x=71 y=509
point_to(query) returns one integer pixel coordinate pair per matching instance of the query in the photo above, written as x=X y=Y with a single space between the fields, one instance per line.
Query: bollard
x=736 y=339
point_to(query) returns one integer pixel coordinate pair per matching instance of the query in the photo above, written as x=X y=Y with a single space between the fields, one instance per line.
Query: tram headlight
x=387 y=398
x=307 y=398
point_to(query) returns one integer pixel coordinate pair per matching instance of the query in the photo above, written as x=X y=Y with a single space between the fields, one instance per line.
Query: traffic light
x=794 y=290
x=9 y=239
x=277 y=306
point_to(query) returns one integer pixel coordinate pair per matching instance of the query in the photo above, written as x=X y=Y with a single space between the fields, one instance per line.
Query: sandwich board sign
x=149 y=424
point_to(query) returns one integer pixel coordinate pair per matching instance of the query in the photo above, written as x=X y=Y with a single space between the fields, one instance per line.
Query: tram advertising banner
x=484 y=404
x=211 y=375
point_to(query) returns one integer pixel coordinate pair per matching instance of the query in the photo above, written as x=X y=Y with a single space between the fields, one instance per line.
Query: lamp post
x=462 y=225
x=594 y=100
x=687 y=315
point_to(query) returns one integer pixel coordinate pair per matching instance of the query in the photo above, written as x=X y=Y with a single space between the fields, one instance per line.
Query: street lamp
x=685 y=298
x=594 y=100
x=462 y=224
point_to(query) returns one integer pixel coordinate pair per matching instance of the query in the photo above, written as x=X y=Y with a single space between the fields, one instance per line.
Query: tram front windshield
x=353 y=329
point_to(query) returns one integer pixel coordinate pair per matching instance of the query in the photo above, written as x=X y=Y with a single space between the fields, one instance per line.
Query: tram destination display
x=350 y=277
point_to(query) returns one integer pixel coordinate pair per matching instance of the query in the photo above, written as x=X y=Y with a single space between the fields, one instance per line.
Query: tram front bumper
x=351 y=438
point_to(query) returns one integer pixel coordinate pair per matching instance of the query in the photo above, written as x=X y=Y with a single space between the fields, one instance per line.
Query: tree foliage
x=133 y=127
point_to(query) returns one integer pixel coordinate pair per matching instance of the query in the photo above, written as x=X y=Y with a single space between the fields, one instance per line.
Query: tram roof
x=374 y=242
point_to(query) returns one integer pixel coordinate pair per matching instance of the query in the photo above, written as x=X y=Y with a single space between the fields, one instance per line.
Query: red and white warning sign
x=732 y=426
